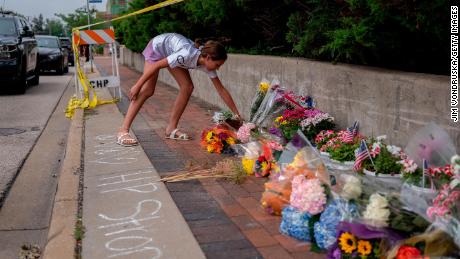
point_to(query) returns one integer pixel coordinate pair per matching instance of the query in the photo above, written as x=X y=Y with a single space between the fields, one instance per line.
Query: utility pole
x=89 y=46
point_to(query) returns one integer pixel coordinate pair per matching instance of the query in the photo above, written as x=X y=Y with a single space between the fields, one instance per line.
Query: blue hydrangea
x=295 y=224
x=324 y=235
x=336 y=211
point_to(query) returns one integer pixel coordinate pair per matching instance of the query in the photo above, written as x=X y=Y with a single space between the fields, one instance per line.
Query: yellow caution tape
x=86 y=103
x=147 y=9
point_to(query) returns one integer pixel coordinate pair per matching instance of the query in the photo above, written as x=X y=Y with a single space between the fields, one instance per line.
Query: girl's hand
x=133 y=93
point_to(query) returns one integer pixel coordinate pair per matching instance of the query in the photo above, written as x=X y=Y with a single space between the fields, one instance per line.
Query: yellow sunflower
x=347 y=242
x=364 y=247
x=278 y=119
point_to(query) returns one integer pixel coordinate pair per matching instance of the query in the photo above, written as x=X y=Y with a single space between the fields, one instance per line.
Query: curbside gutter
x=61 y=241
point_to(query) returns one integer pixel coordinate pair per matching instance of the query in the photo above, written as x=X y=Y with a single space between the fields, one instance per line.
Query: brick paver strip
x=226 y=218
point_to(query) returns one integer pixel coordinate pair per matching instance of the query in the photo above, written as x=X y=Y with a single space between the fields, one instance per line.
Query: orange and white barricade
x=99 y=37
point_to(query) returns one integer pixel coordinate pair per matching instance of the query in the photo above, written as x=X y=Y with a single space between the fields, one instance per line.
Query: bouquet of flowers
x=446 y=206
x=336 y=211
x=298 y=158
x=289 y=122
x=218 y=140
x=356 y=240
x=259 y=97
x=270 y=105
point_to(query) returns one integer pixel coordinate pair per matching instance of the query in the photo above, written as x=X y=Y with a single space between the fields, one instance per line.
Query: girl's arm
x=225 y=95
x=148 y=73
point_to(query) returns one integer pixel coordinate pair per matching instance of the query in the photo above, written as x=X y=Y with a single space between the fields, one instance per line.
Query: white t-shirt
x=180 y=52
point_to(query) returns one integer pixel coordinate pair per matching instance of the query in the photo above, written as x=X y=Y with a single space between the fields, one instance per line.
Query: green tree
x=406 y=35
x=80 y=18
x=38 y=24
x=55 y=27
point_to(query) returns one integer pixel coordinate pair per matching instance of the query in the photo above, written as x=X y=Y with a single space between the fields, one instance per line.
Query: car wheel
x=60 y=70
x=36 y=79
x=21 y=85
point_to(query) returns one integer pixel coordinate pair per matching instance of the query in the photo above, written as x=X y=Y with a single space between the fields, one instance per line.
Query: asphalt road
x=22 y=119
x=33 y=135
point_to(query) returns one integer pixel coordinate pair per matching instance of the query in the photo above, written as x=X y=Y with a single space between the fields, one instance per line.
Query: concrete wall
x=384 y=101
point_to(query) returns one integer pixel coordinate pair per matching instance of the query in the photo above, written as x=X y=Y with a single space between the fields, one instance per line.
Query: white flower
x=394 y=150
x=382 y=137
x=377 y=212
x=218 y=117
x=455 y=160
x=313 y=121
x=352 y=187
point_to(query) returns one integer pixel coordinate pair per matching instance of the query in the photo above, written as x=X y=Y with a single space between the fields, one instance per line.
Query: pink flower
x=244 y=132
x=275 y=145
x=308 y=195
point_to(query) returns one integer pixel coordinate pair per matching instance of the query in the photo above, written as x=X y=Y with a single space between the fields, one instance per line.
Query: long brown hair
x=212 y=48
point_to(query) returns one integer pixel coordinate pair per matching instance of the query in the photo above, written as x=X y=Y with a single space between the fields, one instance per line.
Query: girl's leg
x=146 y=91
x=184 y=80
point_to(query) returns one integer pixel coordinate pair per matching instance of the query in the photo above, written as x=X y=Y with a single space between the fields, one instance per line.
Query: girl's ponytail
x=198 y=42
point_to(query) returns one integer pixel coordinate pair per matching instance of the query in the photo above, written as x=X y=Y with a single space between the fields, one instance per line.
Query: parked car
x=18 y=53
x=67 y=43
x=51 y=55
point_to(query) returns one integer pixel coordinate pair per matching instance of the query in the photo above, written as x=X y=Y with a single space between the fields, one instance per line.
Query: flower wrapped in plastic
x=272 y=105
x=262 y=90
x=445 y=208
x=295 y=223
x=298 y=158
x=218 y=140
x=249 y=153
x=356 y=240
x=336 y=211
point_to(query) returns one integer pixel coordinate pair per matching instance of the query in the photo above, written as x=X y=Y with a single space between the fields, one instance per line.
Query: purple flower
x=222 y=136
x=336 y=254
x=311 y=113
x=298 y=141
x=276 y=131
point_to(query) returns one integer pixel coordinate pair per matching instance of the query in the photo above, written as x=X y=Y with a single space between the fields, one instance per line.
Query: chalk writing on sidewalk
x=127 y=230
x=108 y=152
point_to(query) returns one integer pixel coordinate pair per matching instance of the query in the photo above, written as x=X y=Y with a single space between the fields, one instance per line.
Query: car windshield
x=7 y=26
x=65 y=42
x=48 y=42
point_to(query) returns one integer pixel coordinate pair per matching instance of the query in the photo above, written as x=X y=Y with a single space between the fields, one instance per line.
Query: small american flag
x=351 y=133
x=361 y=155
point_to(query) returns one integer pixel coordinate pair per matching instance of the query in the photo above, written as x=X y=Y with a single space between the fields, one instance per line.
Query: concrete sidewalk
x=127 y=213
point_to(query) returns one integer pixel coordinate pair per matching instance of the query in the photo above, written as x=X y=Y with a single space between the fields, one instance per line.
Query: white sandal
x=182 y=136
x=126 y=140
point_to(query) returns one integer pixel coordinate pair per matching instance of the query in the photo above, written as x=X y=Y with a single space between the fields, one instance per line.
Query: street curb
x=61 y=241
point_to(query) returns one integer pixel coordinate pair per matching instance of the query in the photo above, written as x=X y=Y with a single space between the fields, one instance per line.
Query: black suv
x=18 y=52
